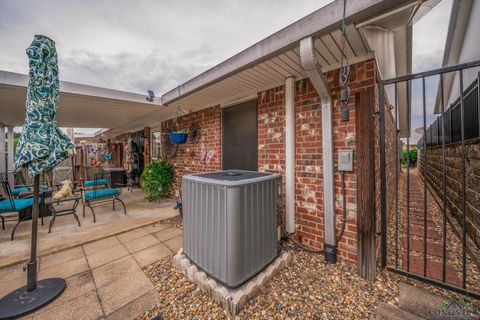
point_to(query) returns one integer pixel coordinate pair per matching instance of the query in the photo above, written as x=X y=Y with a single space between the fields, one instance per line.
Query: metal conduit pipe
x=314 y=72
x=290 y=154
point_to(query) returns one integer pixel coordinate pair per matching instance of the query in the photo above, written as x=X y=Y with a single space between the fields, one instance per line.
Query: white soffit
x=269 y=62
x=80 y=105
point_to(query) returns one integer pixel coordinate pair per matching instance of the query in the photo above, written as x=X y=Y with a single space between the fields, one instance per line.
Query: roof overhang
x=457 y=29
x=269 y=62
x=80 y=105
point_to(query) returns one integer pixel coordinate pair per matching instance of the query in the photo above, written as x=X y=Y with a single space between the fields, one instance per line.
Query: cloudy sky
x=140 y=45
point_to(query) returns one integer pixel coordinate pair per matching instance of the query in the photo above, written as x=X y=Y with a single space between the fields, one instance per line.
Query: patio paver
x=131 y=235
x=136 y=307
x=119 y=293
x=67 y=234
x=152 y=254
x=175 y=244
x=141 y=243
x=85 y=307
x=62 y=257
x=104 y=280
x=77 y=285
x=64 y=270
x=114 y=271
x=167 y=234
x=105 y=256
x=101 y=245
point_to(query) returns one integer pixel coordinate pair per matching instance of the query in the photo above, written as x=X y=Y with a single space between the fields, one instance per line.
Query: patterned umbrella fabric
x=42 y=144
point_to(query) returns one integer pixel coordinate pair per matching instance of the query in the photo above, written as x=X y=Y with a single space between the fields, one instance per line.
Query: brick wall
x=453 y=163
x=308 y=165
x=271 y=135
x=123 y=140
x=187 y=159
x=146 y=146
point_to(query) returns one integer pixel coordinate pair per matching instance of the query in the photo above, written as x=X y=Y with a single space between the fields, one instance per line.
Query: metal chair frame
x=7 y=194
x=97 y=202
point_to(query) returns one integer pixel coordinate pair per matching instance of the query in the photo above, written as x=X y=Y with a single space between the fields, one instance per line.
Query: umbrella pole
x=32 y=264
x=34 y=295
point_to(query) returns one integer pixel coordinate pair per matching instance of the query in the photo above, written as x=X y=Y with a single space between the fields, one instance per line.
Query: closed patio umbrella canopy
x=41 y=147
x=42 y=144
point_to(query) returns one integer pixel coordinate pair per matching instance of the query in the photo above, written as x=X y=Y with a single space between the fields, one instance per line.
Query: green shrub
x=413 y=156
x=157 y=179
x=404 y=157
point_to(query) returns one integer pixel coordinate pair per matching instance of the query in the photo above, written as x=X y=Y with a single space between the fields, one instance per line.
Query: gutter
x=314 y=72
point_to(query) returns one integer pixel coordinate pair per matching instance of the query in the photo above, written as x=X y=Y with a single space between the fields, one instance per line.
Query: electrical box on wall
x=345 y=160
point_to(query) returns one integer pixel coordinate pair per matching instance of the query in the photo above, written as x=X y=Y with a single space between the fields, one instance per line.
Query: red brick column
x=147 y=158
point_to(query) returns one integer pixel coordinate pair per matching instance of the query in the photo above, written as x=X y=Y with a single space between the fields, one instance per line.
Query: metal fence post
x=383 y=182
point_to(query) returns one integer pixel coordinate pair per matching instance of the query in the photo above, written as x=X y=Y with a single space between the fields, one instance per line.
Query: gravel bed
x=174 y=221
x=307 y=289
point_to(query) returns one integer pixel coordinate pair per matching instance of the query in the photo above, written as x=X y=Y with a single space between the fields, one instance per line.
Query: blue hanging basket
x=178 y=137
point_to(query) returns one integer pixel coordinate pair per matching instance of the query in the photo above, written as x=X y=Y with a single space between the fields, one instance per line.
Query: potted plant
x=157 y=180
x=178 y=136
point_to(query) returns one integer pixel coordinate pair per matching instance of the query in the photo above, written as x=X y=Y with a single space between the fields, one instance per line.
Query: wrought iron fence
x=451 y=118
x=418 y=228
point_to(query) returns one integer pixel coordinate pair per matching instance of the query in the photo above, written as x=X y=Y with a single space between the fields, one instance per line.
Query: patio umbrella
x=41 y=147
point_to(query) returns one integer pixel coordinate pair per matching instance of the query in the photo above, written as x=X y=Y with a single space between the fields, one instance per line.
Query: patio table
x=58 y=213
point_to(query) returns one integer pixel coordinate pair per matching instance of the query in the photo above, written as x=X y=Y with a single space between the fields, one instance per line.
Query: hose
x=298 y=244
x=344 y=205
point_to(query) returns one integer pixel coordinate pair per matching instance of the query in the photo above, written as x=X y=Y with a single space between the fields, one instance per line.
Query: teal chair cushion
x=16 y=191
x=20 y=204
x=99 y=182
x=101 y=193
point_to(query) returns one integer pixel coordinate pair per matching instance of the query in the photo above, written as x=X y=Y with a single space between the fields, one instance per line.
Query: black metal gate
x=428 y=225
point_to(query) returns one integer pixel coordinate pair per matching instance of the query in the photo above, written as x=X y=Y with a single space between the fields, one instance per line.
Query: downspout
x=290 y=154
x=314 y=72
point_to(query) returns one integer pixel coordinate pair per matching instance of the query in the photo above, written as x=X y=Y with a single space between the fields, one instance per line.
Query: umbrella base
x=20 y=302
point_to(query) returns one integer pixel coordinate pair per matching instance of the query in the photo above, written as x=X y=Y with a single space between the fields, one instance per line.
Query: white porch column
x=290 y=154
x=10 y=157
x=2 y=151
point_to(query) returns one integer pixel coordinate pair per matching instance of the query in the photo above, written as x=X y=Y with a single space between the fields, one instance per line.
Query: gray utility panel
x=230 y=223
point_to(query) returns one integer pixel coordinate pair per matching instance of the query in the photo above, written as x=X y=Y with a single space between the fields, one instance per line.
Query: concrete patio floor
x=104 y=278
x=67 y=234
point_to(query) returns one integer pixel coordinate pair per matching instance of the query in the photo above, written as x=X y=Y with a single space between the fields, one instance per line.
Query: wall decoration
x=210 y=156
x=106 y=156
x=92 y=149
x=203 y=152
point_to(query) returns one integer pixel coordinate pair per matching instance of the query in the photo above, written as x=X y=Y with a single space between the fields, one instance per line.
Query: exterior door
x=240 y=137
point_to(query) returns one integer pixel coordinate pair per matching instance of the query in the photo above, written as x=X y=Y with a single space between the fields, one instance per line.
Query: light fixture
x=151 y=95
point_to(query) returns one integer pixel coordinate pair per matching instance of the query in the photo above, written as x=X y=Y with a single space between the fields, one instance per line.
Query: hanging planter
x=178 y=137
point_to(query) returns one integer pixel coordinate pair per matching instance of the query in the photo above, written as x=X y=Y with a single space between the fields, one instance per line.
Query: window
x=156 y=145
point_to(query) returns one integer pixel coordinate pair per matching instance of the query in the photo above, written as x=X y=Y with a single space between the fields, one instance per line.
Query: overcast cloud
x=140 y=45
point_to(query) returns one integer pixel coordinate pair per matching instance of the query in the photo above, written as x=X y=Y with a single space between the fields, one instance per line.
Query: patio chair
x=102 y=194
x=18 y=188
x=10 y=204
x=22 y=189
